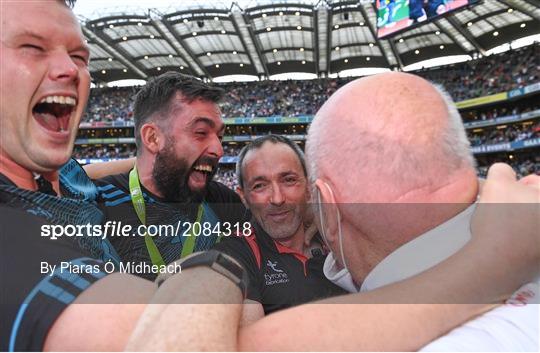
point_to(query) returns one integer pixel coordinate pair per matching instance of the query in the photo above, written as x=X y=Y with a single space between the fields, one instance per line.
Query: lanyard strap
x=137 y=200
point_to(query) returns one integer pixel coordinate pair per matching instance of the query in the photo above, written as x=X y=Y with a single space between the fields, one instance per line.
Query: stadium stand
x=497 y=73
x=491 y=128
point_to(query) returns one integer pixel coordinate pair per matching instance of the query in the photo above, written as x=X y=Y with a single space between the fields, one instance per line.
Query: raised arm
x=100 y=170
x=473 y=275
x=487 y=270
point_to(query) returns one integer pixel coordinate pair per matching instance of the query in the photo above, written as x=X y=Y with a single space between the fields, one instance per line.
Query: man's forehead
x=271 y=158
x=49 y=19
x=197 y=110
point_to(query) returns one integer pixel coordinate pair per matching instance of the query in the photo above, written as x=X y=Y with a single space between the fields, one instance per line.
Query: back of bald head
x=381 y=137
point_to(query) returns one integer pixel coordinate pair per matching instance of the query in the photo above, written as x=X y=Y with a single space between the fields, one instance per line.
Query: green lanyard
x=140 y=208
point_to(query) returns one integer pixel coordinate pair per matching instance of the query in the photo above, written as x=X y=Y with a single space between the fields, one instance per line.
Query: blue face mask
x=340 y=277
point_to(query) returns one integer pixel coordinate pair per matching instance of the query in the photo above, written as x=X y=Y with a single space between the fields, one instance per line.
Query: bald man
x=410 y=203
x=372 y=166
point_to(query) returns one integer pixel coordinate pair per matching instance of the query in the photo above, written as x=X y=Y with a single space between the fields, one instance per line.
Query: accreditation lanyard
x=140 y=208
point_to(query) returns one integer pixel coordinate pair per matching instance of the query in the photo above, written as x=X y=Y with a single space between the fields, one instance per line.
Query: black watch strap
x=221 y=263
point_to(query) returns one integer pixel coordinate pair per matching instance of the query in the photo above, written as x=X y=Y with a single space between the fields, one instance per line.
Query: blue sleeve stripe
x=50 y=290
x=56 y=292
x=119 y=201
x=105 y=187
x=112 y=194
x=74 y=279
x=16 y=324
x=45 y=287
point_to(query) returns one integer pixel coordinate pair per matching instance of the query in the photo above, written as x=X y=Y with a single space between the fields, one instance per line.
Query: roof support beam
x=454 y=39
x=237 y=29
x=373 y=33
x=330 y=17
x=396 y=53
x=256 y=43
x=515 y=5
x=158 y=24
x=321 y=39
x=314 y=41
x=192 y=55
x=466 y=34
x=115 y=52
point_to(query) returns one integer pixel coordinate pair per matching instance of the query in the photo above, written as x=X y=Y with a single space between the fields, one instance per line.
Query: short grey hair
x=455 y=139
x=258 y=143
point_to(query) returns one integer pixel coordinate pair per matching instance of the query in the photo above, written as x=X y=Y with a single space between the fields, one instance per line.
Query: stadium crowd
x=477 y=137
x=496 y=73
x=526 y=164
x=230 y=150
x=522 y=165
x=529 y=164
x=493 y=74
x=227 y=175
x=105 y=152
x=110 y=104
x=504 y=133
x=269 y=98
x=484 y=114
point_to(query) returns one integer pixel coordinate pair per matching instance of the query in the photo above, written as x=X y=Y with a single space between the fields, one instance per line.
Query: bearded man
x=169 y=197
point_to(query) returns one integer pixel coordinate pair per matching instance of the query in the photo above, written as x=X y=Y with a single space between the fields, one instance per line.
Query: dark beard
x=171 y=174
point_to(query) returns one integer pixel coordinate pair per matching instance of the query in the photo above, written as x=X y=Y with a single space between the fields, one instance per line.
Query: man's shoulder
x=246 y=247
x=219 y=193
x=75 y=183
x=119 y=180
x=47 y=274
x=510 y=327
x=225 y=203
x=114 y=189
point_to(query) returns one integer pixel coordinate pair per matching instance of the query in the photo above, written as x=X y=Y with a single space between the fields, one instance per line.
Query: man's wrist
x=220 y=263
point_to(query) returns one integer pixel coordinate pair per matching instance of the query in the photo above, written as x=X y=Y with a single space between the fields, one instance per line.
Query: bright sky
x=97 y=8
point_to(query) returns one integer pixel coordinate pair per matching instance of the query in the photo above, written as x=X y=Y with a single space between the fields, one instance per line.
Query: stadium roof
x=323 y=37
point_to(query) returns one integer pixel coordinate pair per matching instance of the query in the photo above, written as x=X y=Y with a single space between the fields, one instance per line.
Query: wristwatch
x=217 y=261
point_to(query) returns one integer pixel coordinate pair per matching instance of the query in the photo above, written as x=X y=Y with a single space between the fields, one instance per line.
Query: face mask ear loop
x=319 y=206
x=340 y=235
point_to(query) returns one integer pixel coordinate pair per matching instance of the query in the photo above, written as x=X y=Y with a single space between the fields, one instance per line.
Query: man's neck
x=425 y=214
x=23 y=177
x=144 y=169
x=295 y=242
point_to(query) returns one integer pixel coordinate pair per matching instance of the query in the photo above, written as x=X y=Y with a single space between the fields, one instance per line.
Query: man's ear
x=152 y=138
x=240 y=193
x=329 y=209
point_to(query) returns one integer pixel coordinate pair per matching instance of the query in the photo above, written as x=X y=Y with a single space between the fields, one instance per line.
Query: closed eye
x=32 y=47
x=83 y=59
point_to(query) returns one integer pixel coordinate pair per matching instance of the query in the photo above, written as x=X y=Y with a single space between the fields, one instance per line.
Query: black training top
x=33 y=292
x=223 y=214
x=279 y=277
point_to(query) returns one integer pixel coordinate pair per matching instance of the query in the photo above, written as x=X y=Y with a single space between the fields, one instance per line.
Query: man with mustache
x=282 y=270
x=178 y=131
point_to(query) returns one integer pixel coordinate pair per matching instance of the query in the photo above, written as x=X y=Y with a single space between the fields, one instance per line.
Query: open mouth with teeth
x=53 y=112
x=201 y=173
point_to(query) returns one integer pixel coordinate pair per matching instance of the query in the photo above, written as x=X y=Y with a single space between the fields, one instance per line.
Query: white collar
x=423 y=252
